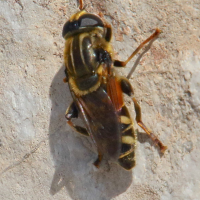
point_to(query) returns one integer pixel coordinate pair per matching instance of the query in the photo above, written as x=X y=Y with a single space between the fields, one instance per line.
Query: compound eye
x=90 y=20
x=69 y=26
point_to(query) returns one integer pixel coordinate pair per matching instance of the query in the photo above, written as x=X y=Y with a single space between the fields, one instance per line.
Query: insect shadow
x=142 y=137
x=73 y=160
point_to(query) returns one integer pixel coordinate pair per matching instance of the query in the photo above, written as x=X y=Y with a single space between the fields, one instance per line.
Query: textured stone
x=41 y=157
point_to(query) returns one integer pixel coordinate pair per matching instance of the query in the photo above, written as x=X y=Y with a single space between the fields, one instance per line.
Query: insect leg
x=118 y=63
x=108 y=35
x=149 y=132
x=127 y=89
x=98 y=160
x=72 y=112
x=65 y=80
x=81 y=5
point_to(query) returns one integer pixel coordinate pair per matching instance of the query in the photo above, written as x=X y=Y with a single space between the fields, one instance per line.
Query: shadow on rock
x=143 y=138
x=73 y=160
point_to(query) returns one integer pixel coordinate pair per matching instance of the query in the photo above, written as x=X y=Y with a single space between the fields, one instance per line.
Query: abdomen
x=128 y=140
x=103 y=122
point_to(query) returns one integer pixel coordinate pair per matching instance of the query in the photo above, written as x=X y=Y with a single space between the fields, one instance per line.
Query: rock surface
x=41 y=157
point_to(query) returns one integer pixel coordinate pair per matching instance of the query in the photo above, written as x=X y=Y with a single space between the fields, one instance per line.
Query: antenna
x=81 y=4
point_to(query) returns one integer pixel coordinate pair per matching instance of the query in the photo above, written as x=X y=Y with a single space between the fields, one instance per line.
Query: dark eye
x=69 y=26
x=86 y=20
x=89 y=20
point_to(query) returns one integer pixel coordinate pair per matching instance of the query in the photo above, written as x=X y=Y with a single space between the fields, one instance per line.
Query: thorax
x=82 y=60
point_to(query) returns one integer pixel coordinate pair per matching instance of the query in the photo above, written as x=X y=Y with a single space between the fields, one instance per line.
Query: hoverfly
x=98 y=92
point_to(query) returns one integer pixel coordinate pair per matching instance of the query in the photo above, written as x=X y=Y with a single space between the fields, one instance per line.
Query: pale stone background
x=42 y=158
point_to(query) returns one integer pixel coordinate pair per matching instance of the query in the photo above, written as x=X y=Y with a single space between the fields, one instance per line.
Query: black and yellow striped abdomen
x=128 y=139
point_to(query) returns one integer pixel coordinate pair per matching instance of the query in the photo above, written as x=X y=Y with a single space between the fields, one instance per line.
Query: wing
x=102 y=122
x=115 y=93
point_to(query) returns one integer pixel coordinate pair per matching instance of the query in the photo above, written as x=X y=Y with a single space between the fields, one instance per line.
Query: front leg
x=118 y=63
x=72 y=112
x=127 y=89
x=151 y=39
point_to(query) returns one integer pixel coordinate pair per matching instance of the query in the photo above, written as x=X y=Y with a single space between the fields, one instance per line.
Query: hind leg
x=127 y=89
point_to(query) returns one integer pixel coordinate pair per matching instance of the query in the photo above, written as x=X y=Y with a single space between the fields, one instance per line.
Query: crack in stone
x=20 y=4
x=26 y=156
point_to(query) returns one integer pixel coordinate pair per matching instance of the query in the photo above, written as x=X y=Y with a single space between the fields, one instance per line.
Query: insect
x=98 y=92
